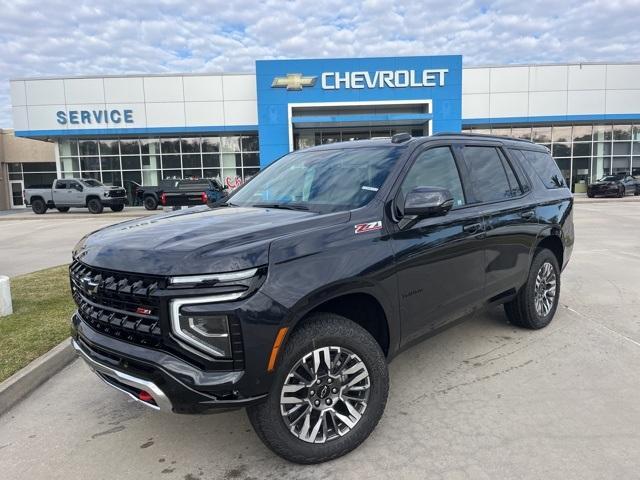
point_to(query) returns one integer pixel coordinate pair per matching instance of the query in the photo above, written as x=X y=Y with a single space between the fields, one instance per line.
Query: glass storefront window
x=212 y=173
x=542 y=134
x=70 y=174
x=581 y=174
x=210 y=160
x=621 y=165
x=110 y=163
x=170 y=145
x=68 y=148
x=561 y=150
x=191 y=161
x=622 y=132
x=582 y=149
x=231 y=144
x=251 y=160
x=561 y=134
x=129 y=146
x=521 y=132
x=501 y=132
x=89 y=163
x=582 y=133
x=601 y=133
x=622 y=148
x=109 y=147
x=564 y=164
x=192 y=173
x=635 y=169
x=88 y=147
x=151 y=177
x=171 y=174
x=601 y=149
x=171 y=161
x=131 y=162
x=70 y=164
x=211 y=144
x=111 y=178
x=190 y=145
x=150 y=146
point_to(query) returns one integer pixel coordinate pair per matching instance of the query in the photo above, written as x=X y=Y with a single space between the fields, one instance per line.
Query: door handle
x=472 y=228
x=528 y=214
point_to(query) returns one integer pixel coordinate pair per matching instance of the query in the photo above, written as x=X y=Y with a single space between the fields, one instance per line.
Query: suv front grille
x=120 y=192
x=118 y=304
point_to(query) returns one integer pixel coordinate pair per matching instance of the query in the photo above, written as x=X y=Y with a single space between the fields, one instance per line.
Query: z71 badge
x=368 y=227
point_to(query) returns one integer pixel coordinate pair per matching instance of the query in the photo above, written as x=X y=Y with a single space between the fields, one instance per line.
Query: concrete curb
x=22 y=383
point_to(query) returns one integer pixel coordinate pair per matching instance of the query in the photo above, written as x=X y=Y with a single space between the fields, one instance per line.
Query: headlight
x=207 y=332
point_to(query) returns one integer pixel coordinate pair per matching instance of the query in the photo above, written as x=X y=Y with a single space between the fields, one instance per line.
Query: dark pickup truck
x=291 y=296
x=181 y=192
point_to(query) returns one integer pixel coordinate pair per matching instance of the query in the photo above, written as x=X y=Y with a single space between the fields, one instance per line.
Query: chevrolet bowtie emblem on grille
x=89 y=285
x=293 y=81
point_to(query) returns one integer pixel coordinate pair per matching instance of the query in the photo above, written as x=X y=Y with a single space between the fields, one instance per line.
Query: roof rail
x=480 y=135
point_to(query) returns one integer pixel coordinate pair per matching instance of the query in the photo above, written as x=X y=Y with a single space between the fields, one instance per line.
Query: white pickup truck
x=74 y=192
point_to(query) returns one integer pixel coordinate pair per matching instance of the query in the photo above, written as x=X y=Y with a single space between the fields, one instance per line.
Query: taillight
x=203 y=196
x=163 y=199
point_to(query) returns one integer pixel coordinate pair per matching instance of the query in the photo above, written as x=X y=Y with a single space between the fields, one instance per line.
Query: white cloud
x=105 y=37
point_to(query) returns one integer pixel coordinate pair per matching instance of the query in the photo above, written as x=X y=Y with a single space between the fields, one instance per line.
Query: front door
x=440 y=260
x=17 y=198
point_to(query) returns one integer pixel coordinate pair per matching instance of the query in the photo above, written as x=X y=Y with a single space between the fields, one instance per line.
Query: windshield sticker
x=371 y=189
x=368 y=227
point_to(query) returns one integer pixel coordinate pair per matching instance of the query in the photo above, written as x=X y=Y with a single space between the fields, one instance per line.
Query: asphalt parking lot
x=483 y=400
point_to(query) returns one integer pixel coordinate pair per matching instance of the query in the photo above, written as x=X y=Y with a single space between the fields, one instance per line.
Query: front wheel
x=117 y=208
x=95 y=205
x=621 y=192
x=537 y=301
x=328 y=394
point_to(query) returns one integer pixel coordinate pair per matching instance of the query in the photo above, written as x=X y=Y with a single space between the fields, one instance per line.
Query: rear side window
x=491 y=176
x=545 y=167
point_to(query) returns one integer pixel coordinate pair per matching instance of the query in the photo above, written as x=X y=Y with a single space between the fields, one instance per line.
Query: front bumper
x=109 y=201
x=173 y=384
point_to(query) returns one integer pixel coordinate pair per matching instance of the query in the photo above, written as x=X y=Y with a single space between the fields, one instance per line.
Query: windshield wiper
x=284 y=206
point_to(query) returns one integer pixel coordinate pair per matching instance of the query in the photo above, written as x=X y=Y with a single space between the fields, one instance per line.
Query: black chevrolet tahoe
x=291 y=297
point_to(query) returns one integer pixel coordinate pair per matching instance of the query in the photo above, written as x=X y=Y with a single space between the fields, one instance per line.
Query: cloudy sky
x=63 y=38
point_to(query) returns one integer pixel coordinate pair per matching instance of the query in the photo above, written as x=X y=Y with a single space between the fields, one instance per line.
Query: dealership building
x=139 y=129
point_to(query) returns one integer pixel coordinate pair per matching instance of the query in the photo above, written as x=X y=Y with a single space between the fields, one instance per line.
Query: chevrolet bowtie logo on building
x=293 y=81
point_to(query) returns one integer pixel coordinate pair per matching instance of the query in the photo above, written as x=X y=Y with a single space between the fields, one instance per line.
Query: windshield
x=321 y=180
x=90 y=182
x=610 y=178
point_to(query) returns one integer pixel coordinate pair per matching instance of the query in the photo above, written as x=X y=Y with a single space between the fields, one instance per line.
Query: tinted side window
x=488 y=174
x=435 y=167
x=61 y=185
x=545 y=167
x=511 y=176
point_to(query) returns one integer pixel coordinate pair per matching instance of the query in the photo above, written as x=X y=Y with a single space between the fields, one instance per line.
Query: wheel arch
x=360 y=306
x=91 y=197
x=551 y=239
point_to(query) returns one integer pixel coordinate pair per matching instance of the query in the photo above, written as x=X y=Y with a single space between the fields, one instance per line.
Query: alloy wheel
x=325 y=394
x=545 y=289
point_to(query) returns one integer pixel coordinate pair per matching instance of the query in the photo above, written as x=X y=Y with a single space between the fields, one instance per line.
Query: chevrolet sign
x=384 y=78
x=293 y=81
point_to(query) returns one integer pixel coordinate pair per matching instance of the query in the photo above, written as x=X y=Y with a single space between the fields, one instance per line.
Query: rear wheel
x=537 y=301
x=589 y=194
x=117 y=208
x=38 y=206
x=328 y=393
x=63 y=209
x=95 y=205
x=150 y=203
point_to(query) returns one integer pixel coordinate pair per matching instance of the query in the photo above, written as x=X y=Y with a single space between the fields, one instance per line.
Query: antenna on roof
x=400 y=137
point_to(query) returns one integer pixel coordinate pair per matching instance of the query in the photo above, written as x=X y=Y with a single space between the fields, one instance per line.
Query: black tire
x=589 y=194
x=150 y=203
x=322 y=330
x=522 y=310
x=621 y=192
x=95 y=205
x=38 y=206
x=117 y=208
x=63 y=209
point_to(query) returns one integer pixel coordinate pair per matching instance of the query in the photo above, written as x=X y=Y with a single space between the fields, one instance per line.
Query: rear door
x=502 y=189
x=440 y=260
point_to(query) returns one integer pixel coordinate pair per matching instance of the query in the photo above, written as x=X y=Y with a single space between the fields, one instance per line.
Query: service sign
x=94 y=117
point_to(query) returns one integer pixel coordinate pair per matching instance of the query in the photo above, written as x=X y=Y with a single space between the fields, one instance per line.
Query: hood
x=196 y=241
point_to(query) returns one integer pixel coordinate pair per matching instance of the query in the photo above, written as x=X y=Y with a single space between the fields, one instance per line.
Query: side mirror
x=423 y=202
